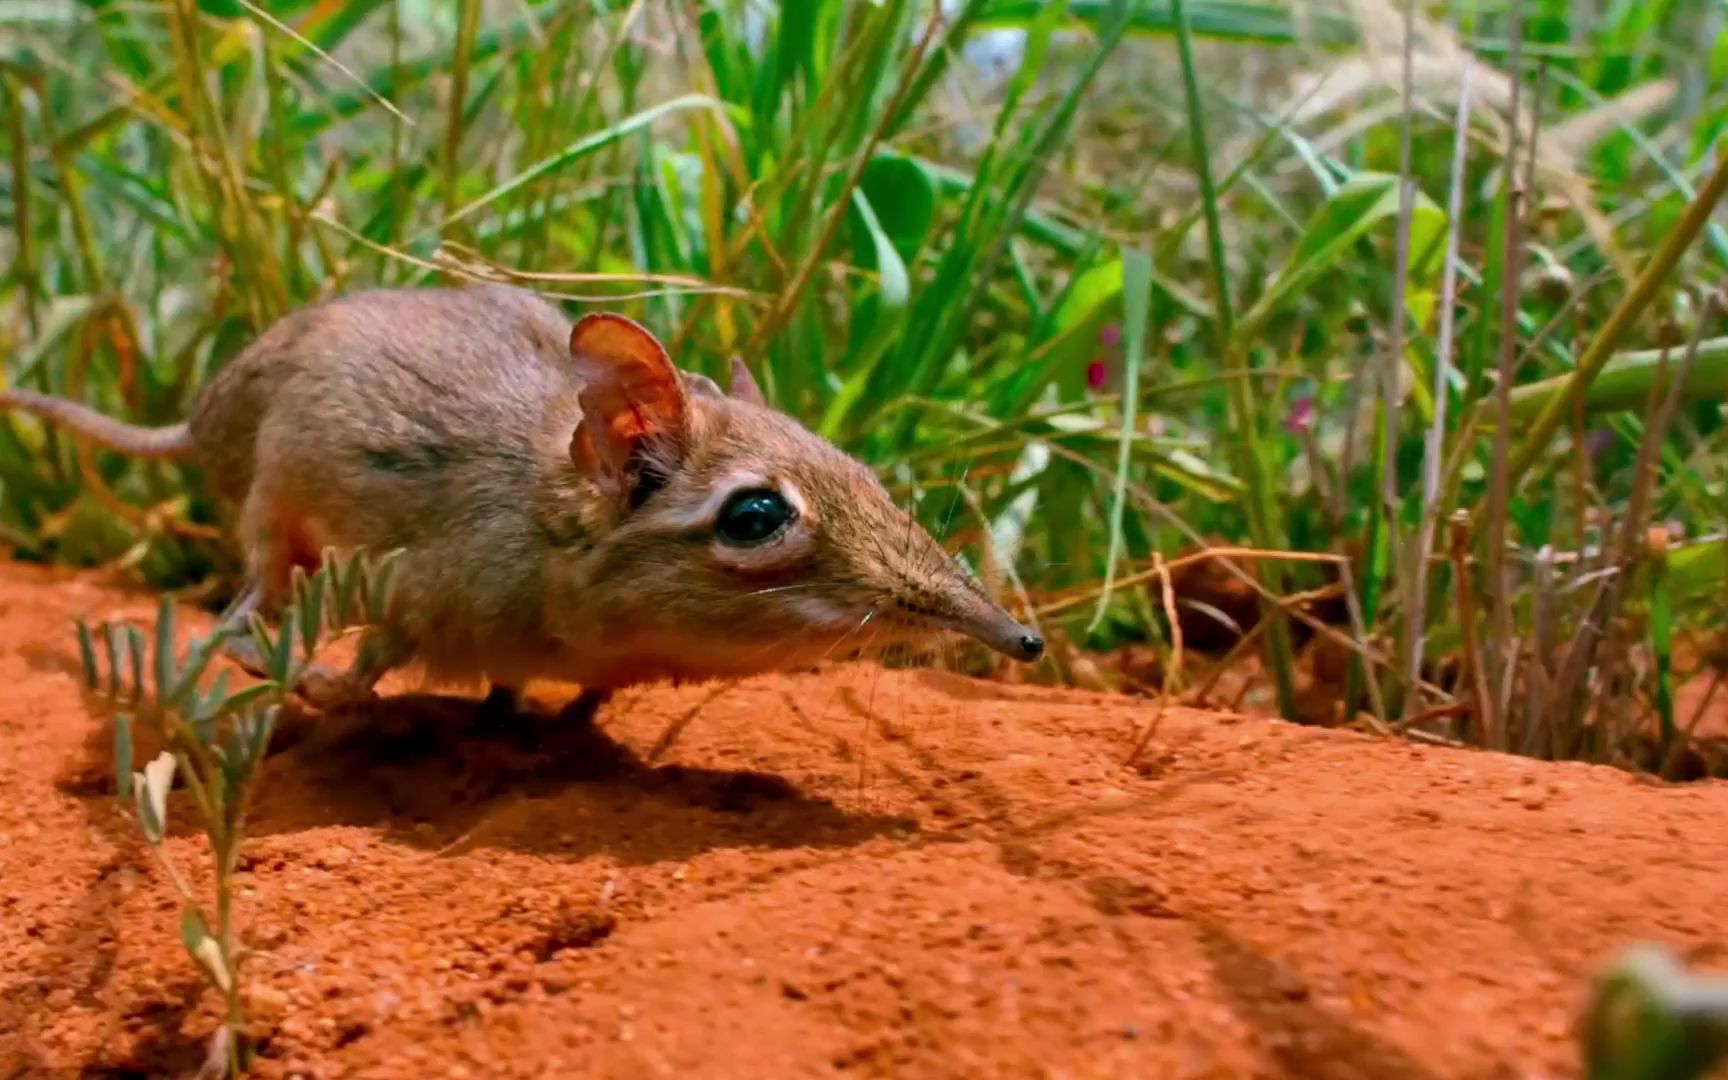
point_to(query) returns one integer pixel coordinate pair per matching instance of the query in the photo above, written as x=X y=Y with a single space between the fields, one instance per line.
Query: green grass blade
x=1137 y=303
x=583 y=147
x=87 y=655
x=123 y=756
x=1252 y=462
x=1359 y=205
x=1228 y=20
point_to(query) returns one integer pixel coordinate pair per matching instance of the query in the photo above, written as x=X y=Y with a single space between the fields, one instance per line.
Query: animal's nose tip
x=1031 y=646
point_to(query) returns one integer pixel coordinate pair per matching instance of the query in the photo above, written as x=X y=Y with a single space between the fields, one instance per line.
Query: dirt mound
x=853 y=871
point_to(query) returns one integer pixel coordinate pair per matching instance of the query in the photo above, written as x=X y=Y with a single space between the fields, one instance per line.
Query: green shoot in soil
x=214 y=738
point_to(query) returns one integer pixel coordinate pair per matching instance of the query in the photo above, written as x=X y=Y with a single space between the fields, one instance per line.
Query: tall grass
x=926 y=252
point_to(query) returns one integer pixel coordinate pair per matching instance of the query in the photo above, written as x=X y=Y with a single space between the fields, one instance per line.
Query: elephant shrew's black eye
x=752 y=517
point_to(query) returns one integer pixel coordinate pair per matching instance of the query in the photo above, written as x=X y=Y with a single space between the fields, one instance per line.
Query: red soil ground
x=867 y=872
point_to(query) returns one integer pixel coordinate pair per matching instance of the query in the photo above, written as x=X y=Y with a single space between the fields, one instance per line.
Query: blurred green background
x=1091 y=283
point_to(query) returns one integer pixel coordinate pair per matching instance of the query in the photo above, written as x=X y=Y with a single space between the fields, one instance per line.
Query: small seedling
x=215 y=738
x=1650 y=1020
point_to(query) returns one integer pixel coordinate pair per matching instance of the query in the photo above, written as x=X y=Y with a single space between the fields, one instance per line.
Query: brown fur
x=449 y=424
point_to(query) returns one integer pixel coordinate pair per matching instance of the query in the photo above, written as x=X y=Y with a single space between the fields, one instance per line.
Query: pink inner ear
x=631 y=392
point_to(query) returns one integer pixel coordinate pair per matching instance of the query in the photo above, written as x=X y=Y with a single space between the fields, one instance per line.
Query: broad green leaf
x=1360 y=204
x=876 y=318
x=1092 y=299
x=1696 y=571
x=903 y=199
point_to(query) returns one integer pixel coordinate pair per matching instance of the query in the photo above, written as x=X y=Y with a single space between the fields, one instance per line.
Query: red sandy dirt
x=860 y=871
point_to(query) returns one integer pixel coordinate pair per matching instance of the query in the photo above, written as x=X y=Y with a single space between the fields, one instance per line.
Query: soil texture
x=852 y=871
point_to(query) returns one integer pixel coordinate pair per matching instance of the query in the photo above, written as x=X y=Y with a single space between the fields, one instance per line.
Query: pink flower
x=1110 y=334
x=1096 y=374
x=1300 y=417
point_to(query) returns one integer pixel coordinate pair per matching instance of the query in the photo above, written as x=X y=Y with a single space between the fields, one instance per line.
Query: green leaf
x=281 y=661
x=380 y=576
x=202 y=709
x=256 y=726
x=902 y=197
x=1350 y=213
x=87 y=655
x=344 y=576
x=1137 y=290
x=192 y=930
x=727 y=59
x=206 y=950
x=1091 y=299
x=584 y=147
x=309 y=597
x=112 y=637
x=197 y=661
x=244 y=698
x=135 y=648
x=1697 y=570
x=123 y=756
x=877 y=317
x=165 y=650
x=261 y=637
x=1227 y=20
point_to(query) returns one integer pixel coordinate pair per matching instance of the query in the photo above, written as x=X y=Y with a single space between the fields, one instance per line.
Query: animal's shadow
x=1303 y=1036
x=436 y=772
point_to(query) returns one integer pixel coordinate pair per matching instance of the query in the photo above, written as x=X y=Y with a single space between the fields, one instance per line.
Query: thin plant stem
x=1434 y=445
x=1392 y=366
x=467 y=27
x=1499 y=589
x=1697 y=214
x=1244 y=413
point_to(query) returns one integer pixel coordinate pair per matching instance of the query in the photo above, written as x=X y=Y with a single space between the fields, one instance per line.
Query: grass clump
x=214 y=740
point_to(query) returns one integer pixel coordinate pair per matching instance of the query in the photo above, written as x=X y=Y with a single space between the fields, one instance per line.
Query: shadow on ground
x=434 y=772
x=1300 y=1034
